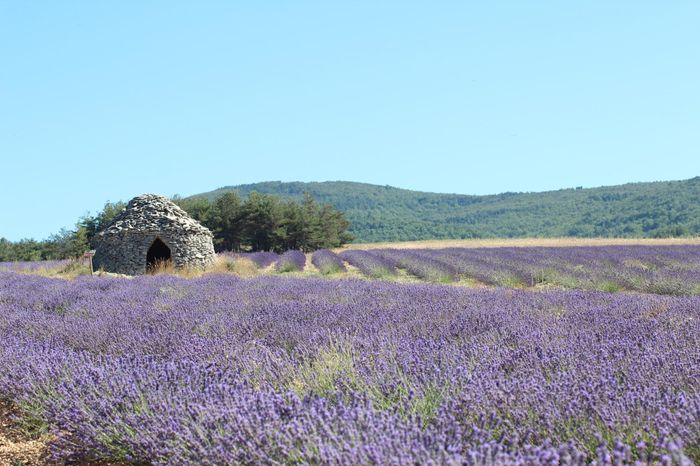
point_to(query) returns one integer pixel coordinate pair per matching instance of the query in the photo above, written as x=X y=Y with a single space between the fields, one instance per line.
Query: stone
x=152 y=228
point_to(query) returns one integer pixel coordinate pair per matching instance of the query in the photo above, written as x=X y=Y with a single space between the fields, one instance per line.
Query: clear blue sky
x=107 y=100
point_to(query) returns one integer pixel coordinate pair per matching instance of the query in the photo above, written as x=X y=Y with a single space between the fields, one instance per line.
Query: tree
x=66 y=244
x=5 y=250
x=27 y=250
x=311 y=226
x=261 y=222
x=199 y=208
x=334 y=227
x=226 y=222
x=290 y=231
x=90 y=225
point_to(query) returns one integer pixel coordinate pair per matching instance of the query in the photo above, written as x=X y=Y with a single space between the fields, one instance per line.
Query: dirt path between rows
x=16 y=447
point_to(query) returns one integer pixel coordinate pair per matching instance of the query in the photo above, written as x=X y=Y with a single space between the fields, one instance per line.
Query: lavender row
x=291 y=261
x=273 y=370
x=263 y=259
x=370 y=264
x=419 y=265
x=652 y=269
x=327 y=262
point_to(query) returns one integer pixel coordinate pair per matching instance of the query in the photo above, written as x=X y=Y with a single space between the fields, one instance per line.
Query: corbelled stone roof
x=153 y=213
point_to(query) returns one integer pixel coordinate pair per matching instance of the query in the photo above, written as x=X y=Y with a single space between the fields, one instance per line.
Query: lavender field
x=34 y=266
x=668 y=269
x=673 y=270
x=272 y=370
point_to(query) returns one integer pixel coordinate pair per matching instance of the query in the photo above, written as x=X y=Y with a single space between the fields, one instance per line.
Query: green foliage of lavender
x=272 y=370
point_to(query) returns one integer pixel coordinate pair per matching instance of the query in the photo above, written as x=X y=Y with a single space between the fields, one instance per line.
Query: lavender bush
x=291 y=261
x=327 y=262
x=262 y=258
x=273 y=370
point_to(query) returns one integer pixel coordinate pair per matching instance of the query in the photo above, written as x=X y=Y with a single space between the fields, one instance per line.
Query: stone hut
x=149 y=230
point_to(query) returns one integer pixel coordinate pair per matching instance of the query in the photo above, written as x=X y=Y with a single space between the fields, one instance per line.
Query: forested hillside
x=384 y=213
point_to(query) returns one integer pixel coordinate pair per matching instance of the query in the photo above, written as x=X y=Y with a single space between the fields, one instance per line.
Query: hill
x=385 y=213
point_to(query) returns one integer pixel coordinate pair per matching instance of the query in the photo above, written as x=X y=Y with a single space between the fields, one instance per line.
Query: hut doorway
x=158 y=255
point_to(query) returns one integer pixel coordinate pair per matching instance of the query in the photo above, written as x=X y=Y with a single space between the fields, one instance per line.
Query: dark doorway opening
x=158 y=256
